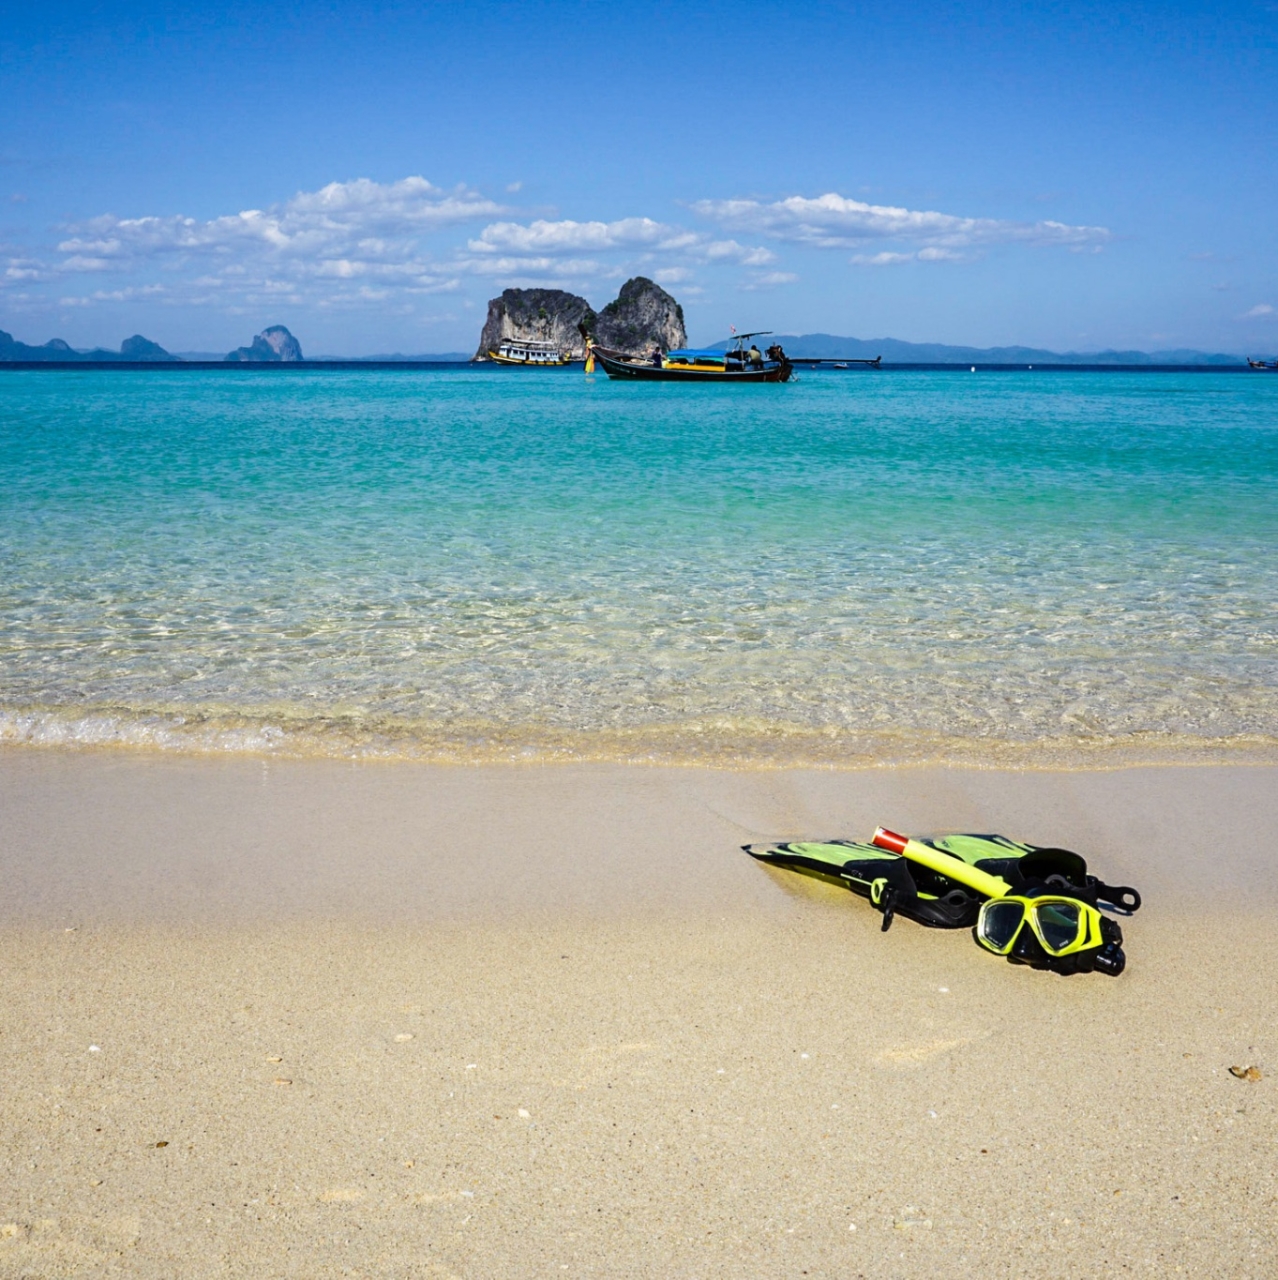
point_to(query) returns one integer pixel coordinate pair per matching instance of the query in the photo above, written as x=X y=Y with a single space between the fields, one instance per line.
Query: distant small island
x=132 y=350
x=272 y=346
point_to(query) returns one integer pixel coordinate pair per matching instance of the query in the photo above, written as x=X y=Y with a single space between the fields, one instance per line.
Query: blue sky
x=1069 y=175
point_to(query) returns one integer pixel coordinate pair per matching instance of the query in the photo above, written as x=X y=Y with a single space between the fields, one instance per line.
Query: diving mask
x=1051 y=931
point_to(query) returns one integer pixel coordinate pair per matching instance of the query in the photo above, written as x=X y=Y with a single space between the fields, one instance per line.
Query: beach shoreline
x=156 y=836
x=290 y=1018
x=722 y=743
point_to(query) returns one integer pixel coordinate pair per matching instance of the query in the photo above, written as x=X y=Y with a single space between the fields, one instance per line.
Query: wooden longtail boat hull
x=623 y=369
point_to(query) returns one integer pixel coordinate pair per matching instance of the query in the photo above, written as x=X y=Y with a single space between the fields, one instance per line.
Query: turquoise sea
x=485 y=564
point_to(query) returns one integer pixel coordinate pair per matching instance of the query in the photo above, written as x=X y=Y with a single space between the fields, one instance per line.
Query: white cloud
x=529 y=266
x=115 y=295
x=25 y=270
x=833 y=221
x=884 y=259
x=363 y=233
x=573 y=237
x=360 y=218
x=567 y=236
x=887 y=258
x=1260 y=309
x=80 y=262
x=731 y=251
x=769 y=280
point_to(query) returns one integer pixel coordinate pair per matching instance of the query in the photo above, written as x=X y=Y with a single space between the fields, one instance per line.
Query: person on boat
x=775 y=352
x=755 y=356
x=655 y=358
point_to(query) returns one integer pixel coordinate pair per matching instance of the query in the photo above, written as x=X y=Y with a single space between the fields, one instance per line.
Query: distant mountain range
x=282 y=346
x=894 y=351
x=131 y=349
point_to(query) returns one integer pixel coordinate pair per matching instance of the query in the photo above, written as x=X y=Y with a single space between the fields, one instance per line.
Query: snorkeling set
x=1036 y=906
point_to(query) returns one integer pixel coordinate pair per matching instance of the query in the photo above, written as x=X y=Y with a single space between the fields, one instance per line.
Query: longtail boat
x=734 y=363
x=1269 y=366
x=691 y=364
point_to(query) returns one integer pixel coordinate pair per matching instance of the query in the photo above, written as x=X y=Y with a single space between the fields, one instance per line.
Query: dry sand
x=309 y=1019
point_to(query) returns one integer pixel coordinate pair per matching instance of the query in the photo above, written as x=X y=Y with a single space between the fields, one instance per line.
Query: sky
x=1073 y=176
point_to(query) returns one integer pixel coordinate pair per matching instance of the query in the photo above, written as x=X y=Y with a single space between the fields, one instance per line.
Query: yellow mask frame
x=1062 y=925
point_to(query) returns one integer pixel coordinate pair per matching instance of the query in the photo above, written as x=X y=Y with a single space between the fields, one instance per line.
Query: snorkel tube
x=884 y=895
x=1097 y=941
x=945 y=864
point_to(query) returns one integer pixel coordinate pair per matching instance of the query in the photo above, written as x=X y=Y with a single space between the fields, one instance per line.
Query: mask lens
x=999 y=922
x=1057 y=924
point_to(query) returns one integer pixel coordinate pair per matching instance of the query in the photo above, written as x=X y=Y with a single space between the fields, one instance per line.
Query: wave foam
x=721 y=743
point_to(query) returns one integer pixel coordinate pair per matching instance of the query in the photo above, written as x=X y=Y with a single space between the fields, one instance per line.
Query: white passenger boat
x=531 y=351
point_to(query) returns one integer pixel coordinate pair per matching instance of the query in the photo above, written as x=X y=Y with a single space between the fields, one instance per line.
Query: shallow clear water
x=484 y=562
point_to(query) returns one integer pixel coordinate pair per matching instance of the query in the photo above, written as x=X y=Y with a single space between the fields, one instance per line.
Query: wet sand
x=297 y=1019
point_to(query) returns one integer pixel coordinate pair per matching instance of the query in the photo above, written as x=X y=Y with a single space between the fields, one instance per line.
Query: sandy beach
x=307 y=1018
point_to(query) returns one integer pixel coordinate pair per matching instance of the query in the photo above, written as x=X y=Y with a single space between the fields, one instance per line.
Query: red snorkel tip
x=886 y=839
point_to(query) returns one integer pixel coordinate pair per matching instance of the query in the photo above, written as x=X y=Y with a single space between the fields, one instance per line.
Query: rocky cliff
x=540 y=315
x=643 y=316
x=272 y=346
x=134 y=348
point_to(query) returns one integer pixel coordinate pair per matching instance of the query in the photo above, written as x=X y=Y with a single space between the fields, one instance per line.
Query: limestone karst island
x=551 y=326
